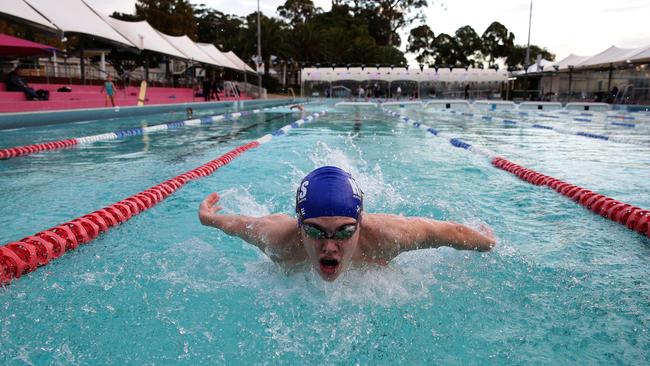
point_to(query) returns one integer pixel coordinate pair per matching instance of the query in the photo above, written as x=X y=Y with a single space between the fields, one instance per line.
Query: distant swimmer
x=331 y=230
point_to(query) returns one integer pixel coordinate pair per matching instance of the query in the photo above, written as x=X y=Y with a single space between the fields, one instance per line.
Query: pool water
x=563 y=286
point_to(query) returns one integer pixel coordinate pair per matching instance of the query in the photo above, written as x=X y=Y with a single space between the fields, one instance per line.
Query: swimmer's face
x=331 y=243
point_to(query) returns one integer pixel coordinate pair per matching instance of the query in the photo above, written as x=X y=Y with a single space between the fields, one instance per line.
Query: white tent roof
x=20 y=9
x=544 y=65
x=613 y=55
x=644 y=55
x=214 y=53
x=191 y=51
x=572 y=60
x=237 y=61
x=388 y=74
x=77 y=17
x=143 y=36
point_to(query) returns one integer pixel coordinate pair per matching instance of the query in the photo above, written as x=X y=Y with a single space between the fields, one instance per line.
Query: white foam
x=240 y=201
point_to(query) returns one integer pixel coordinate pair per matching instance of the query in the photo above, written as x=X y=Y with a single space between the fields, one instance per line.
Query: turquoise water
x=563 y=286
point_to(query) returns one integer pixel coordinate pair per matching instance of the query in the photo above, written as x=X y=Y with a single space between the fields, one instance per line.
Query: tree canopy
x=467 y=48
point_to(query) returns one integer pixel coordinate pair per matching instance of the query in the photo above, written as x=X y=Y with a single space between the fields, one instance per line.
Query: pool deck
x=41 y=118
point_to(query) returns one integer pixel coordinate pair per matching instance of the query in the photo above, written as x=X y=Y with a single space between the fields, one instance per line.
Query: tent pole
x=81 y=63
x=609 y=80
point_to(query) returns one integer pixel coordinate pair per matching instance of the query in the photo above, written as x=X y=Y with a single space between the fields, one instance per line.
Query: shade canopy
x=74 y=16
x=401 y=74
x=144 y=36
x=237 y=61
x=188 y=48
x=218 y=56
x=12 y=46
x=19 y=9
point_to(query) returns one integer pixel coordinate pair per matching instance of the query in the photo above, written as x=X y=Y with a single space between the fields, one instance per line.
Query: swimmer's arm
x=424 y=233
x=457 y=236
x=263 y=232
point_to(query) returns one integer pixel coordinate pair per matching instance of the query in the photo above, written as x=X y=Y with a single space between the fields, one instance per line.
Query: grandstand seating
x=89 y=96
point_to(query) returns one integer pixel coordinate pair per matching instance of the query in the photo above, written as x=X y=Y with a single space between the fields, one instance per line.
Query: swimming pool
x=562 y=286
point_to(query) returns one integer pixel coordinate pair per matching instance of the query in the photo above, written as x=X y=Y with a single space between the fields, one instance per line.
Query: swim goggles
x=342 y=233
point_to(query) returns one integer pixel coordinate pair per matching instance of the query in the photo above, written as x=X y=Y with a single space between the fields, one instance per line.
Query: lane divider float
x=632 y=217
x=510 y=121
x=581 y=117
x=17 y=151
x=27 y=254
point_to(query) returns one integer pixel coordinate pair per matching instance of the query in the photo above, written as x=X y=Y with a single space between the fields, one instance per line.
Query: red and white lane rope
x=632 y=217
x=25 y=255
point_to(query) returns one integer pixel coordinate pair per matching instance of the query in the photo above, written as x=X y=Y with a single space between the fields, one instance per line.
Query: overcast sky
x=583 y=27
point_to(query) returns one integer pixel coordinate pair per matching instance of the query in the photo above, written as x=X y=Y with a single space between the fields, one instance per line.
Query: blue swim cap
x=328 y=191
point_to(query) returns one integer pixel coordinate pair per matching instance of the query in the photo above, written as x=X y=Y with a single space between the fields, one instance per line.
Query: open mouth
x=329 y=265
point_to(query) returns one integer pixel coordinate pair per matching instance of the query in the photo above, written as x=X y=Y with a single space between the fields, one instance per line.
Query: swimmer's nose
x=329 y=246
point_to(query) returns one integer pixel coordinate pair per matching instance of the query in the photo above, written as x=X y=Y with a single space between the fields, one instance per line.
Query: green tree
x=298 y=11
x=445 y=50
x=273 y=38
x=517 y=55
x=396 y=14
x=497 y=41
x=173 y=17
x=469 y=45
x=222 y=30
x=421 y=41
x=126 y=17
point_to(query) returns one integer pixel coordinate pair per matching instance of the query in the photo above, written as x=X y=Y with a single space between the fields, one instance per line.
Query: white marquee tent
x=20 y=9
x=613 y=55
x=218 y=56
x=76 y=17
x=237 y=61
x=191 y=51
x=144 y=37
x=400 y=73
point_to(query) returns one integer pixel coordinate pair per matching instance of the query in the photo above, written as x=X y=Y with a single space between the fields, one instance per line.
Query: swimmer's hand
x=486 y=231
x=208 y=209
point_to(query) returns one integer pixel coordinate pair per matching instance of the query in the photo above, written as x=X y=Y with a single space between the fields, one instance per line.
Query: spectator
x=110 y=90
x=16 y=84
x=207 y=85
x=214 y=90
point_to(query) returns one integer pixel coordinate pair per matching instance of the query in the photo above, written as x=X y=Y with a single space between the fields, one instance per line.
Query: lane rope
x=566 y=131
x=632 y=217
x=13 y=152
x=27 y=254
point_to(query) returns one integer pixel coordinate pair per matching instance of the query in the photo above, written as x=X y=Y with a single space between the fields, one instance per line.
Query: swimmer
x=332 y=231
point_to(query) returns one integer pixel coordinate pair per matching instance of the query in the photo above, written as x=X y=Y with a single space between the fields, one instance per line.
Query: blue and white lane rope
x=170 y=125
x=452 y=140
x=564 y=116
x=567 y=131
x=16 y=151
x=284 y=130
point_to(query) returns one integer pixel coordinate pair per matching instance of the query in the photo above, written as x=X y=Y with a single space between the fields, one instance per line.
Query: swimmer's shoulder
x=281 y=231
x=380 y=236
